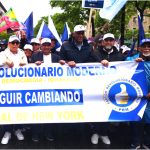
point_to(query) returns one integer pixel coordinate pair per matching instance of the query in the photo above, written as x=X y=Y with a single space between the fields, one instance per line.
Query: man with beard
x=108 y=53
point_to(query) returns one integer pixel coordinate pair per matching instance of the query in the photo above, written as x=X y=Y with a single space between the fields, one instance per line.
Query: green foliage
x=73 y=13
x=4 y=35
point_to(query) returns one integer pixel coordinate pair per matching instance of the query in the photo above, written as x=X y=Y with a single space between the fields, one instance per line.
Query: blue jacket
x=70 y=52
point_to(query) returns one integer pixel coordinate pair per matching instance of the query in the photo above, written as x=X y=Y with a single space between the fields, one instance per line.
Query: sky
x=23 y=8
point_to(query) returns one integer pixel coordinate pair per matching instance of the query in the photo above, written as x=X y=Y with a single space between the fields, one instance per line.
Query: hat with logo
x=13 y=38
x=108 y=35
x=78 y=28
x=45 y=40
x=35 y=40
x=124 y=48
x=28 y=46
x=147 y=40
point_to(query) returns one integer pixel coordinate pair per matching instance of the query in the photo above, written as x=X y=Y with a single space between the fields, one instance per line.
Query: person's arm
x=23 y=60
x=4 y=60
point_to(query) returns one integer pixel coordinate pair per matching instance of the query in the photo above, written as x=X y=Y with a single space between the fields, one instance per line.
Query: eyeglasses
x=13 y=43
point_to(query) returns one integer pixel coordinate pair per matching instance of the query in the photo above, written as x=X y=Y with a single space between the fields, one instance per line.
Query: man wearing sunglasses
x=12 y=56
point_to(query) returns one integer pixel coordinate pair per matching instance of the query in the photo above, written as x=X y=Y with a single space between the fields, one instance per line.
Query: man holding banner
x=77 y=49
x=44 y=57
x=12 y=57
x=140 y=131
x=107 y=52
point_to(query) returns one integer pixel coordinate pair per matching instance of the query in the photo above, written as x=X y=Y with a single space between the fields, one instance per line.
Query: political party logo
x=123 y=95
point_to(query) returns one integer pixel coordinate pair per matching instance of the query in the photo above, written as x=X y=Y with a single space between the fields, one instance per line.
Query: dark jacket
x=39 y=57
x=70 y=52
x=114 y=56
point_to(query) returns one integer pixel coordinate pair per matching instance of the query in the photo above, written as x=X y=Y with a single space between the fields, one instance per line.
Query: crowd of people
x=78 y=49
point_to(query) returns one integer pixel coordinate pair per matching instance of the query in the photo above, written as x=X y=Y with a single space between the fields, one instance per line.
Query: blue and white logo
x=123 y=95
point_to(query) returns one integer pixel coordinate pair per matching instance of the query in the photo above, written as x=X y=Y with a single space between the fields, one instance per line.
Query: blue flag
x=132 y=48
x=66 y=33
x=45 y=32
x=141 y=29
x=29 y=27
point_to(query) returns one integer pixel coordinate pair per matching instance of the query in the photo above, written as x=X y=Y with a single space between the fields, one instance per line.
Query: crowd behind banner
x=78 y=49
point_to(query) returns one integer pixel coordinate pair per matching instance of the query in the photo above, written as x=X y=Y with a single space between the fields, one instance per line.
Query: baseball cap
x=108 y=35
x=28 y=46
x=3 y=41
x=45 y=40
x=78 y=28
x=147 y=40
x=35 y=40
x=124 y=48
x=13 y=38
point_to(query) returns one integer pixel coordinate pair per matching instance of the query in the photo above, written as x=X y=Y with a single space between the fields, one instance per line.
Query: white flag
x=111 y=8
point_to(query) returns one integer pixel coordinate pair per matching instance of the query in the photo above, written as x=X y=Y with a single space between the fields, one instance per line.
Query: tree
x=73 y=12
x=141 y=6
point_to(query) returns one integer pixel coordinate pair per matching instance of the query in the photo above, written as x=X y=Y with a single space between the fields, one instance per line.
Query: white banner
x=86 y=93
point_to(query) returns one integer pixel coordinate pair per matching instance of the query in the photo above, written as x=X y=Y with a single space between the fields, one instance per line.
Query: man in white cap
x=11 y=57
x=77 y=49
x=107 y=53
x=28 y=50
x=35 y=42
x=44 y=56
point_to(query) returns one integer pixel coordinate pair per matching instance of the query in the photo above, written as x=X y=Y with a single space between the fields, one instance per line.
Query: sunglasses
x=13 y=43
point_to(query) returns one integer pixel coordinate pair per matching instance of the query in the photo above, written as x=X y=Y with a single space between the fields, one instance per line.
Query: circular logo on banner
x=123 y=95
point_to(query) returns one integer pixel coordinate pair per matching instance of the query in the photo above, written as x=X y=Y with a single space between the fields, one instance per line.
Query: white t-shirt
x=17 y=58
x=47 y=59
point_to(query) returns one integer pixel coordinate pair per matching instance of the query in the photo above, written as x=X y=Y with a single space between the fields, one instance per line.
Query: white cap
x=35 y=40
x=125 y=48
x=45 y=40
x=79 y=28
x=108 y=35
x=13 y=38
x=28 y=46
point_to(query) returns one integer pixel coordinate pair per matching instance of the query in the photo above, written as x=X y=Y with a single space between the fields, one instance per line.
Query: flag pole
x=89 y=24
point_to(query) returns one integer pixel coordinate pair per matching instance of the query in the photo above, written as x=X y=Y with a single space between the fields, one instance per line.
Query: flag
x=29 y=27
x=52 y=28
x=111 y=8
x=141 y=32
x=132 y=48
x=66 y=33
x=44 y=32
x=9 y=20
